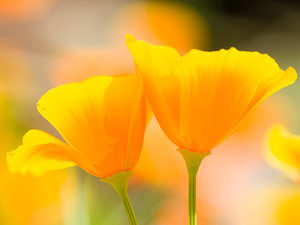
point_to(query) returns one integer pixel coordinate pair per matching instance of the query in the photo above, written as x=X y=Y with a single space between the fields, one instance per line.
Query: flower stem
x=119 y=182
x=193 y=161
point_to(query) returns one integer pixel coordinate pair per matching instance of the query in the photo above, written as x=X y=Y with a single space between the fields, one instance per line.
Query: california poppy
x=102 y=120
x=199 y=99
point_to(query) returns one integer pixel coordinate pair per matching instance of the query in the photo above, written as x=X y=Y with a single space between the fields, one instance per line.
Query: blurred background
x=45 y=43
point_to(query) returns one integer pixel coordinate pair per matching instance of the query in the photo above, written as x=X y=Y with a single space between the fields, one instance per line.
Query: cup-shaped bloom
x=282 y=150
x=199 y=98
x=102 y=121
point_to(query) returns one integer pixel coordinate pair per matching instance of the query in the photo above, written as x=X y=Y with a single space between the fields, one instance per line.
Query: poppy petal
x=95 y=118
x=39 y=153
x=156 y=65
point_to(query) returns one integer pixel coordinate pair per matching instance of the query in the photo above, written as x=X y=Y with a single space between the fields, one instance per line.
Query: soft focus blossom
x=102 y=120
x=173 y=24
x=282 y=150
x=26 y=200
x=20 y=10
x=199 y=99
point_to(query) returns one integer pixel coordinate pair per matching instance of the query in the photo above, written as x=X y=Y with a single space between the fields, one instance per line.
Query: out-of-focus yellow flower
x=18 y=10
x=168 y=23
x=26 y=200
x=275 y=204
x=288 y=213
x=282 y=151
x=102 y=120
x=199 y=99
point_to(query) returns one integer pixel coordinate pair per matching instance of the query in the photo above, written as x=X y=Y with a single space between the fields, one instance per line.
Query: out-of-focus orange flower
x=102 y=120
x=282 y=150
x=199 y=99
x=18 y=10
x=172 y=24
x=275 y=204
x=168 y=23
x=78 y=64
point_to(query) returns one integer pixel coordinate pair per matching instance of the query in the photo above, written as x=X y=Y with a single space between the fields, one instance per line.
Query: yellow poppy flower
x=199 y=99
x=24 y=199
x=102 y=121
x=282 y=150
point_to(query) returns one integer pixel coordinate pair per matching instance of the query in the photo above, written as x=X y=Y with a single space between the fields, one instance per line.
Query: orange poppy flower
x=199 y=99
x=102 y=120
x=20 y=10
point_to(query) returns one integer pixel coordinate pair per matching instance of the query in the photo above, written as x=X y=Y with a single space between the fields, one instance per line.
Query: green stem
x=193 y=161
x=119 y=182
x=192 y=199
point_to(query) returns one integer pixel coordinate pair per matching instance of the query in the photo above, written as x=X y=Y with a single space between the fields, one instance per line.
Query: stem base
x=119 y=182
x=193 y=161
